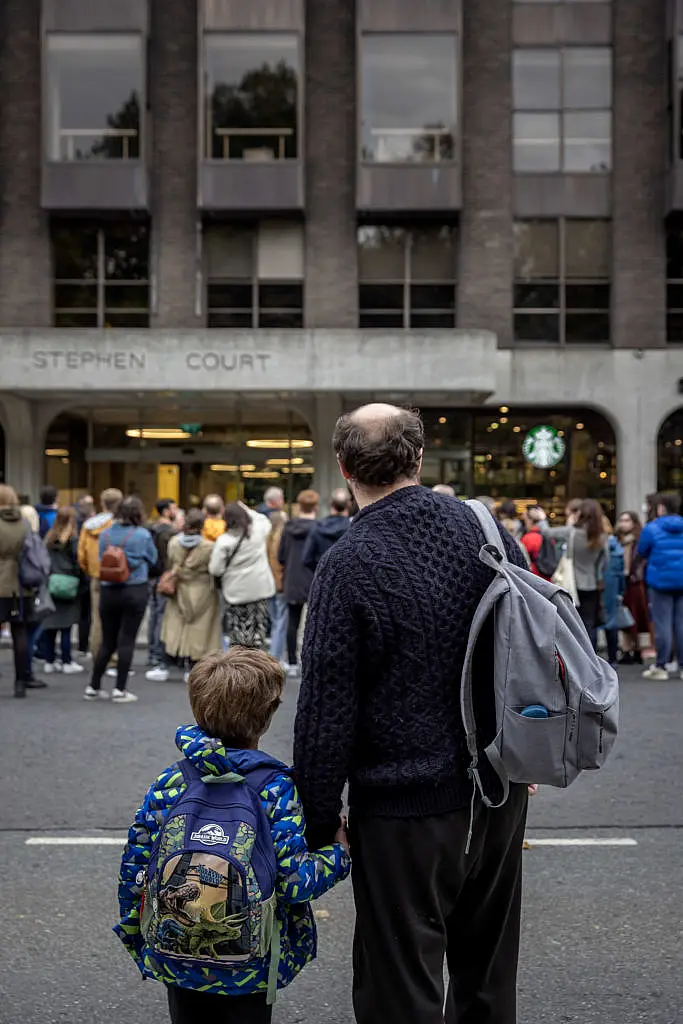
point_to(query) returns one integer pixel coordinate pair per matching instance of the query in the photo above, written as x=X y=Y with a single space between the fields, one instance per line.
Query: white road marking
x=531 y=843
x=76 y=841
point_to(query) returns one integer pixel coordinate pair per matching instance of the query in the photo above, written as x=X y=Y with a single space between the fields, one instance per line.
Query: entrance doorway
x=670 y=453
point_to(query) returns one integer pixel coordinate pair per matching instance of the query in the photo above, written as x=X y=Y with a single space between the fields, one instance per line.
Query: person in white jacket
x=240 y=560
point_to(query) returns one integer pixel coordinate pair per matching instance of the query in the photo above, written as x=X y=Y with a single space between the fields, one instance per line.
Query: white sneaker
x=91 y=694
x=186 y=677
x=84 y=655
x=123 y=696
x=672 y=666
x=72 y=668
x=49 y=668
x=157 y=675
x=657 y=674
x=113 y=673
x=293 y=671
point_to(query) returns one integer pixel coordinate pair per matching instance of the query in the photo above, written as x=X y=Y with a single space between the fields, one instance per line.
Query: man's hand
x=533 y=789
x=342 y=835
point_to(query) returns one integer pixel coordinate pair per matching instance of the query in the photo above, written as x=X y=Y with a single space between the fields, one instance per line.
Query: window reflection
x=95 y=90
x=409 y=98
x=251 y=97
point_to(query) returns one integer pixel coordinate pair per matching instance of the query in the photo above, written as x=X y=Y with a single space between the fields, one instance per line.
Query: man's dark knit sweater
x=388 y=620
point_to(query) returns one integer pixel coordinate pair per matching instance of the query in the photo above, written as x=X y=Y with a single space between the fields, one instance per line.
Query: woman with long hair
x=66 y=584
x=14 y=599
x=585 y=534
x=240 y=560
x=629 y=529
x=123 y=604
x=191 y=626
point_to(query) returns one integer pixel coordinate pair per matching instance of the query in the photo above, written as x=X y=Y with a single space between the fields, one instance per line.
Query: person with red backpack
x=127 y=551
x=543 y=557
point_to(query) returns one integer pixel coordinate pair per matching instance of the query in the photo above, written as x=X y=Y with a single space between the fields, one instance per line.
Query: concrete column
x=25 y=424
x=175 y=112
x=636 y=426
x=25 y=264
x=486 y=243
x=329 y=141
x=640 y=163
x=328 y=409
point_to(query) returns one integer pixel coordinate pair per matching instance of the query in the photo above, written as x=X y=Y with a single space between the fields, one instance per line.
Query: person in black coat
x=61 y=542
x=297 y=576
x=329 y=530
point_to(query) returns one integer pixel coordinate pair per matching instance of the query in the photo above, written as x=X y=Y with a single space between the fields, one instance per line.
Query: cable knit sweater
x=388 y=620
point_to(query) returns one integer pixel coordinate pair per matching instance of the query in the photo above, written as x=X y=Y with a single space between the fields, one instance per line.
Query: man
x=214 y=524
x=661 y=544
x=85 y=509
x=444 y=489
x=297 y=577
x=162 y=530
x=388 y=620
x=328 y=531
x=273 y=501
x=89 y=557
x=47 y=509
x=532 y=539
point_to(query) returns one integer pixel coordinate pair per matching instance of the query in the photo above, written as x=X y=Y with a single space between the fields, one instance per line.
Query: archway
x=670 y=453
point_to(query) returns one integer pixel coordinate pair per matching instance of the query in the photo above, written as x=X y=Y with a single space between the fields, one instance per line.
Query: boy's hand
x=342 y=835
x=533 y=789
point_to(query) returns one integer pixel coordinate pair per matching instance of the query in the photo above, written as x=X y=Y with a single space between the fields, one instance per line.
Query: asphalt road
x=603 y=933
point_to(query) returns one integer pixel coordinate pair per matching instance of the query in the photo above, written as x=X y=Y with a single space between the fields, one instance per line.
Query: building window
x=562 y=281
x=101 y=275
x=674 y=283
x=251 y=97
x=254 y=275
x=409 y=98
x=407 y=277
x=95 y=95
x=563 y=110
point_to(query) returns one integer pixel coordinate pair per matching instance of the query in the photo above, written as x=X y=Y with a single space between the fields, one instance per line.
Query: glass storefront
x=670 y=453
x=155 y=455
x=483 y=453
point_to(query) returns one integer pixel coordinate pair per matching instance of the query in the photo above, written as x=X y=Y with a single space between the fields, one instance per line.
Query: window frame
x=48 y=126
x=562 y=110
x=205 y=120
x=407 y=283
x=100 y=283
x=671 y=283
x=453 y=161
x=562 y=282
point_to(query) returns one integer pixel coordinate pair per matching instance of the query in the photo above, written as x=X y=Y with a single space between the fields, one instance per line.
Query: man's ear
x=347 y=476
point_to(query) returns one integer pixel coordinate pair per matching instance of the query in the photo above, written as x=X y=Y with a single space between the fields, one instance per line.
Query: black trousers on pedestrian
x=419 y=898
x=294 y=612
x=589 y=612
x=84 y=620
x=189 y=1007
x=122 y=609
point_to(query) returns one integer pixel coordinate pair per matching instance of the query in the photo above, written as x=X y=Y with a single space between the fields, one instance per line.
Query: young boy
x=234 y=696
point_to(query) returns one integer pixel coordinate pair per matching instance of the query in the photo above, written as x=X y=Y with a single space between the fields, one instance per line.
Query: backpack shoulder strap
x=488 y=525
x=257 y=780
x=190 y=774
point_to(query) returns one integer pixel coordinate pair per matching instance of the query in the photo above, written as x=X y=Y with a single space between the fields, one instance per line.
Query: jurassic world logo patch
x=211 y=835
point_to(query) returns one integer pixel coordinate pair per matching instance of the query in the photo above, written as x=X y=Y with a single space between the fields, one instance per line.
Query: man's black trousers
x=419 y=898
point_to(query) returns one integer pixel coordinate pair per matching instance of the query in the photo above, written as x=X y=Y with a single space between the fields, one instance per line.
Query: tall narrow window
x=101 y=275
x=562 y=281
x=563 y=109
x=674 y=284
x=95 y=95
x=254 y=275
x=407 y=277
x=251 y=97
x=409 y=98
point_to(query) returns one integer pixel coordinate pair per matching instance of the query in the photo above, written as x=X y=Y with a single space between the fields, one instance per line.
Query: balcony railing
x=391 y=144
x=69 y=142
x=257 y=154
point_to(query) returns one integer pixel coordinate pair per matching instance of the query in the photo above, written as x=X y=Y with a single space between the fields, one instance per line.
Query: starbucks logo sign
x=543 y=447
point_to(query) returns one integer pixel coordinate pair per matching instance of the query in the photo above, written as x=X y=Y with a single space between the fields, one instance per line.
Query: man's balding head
x=379 y=445
x=339 y=502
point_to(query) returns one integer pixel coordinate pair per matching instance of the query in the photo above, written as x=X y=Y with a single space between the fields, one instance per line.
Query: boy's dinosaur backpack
x=556 y=701
x=209 y=893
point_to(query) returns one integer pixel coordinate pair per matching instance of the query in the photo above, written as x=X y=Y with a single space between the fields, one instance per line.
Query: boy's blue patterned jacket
x=302 y=875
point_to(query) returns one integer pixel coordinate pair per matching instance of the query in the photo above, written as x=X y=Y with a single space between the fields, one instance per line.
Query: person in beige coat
x=192 y=621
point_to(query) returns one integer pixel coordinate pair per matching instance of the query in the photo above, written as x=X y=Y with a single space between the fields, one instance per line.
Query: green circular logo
x=543 y=447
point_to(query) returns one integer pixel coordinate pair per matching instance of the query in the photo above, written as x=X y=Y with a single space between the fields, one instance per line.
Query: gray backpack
x=556 y=701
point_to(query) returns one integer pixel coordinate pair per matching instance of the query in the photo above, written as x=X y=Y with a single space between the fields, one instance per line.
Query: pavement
x=602 y=933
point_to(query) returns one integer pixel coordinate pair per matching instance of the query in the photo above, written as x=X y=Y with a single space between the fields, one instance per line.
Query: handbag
x=63 y=587
x=38 y=606
x=168 y=581
x=564 y=575
x=622 y=618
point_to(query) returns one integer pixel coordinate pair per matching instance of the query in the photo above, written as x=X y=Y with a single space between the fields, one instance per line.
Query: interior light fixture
x=442 y=420
x=516 y=430
x=504 y=409
x=678 y=442
x=279 y=443
x=158 y=433
x=503 y=419
x=261 y=474
x=298 y=469
x=285 y=462
x=220 y=468
x=65 y=462
x=494 y=426
x=57 y=453
x=580 y=426
x=603 y=475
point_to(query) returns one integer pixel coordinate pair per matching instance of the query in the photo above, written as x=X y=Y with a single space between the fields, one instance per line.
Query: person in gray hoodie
x=328 y=531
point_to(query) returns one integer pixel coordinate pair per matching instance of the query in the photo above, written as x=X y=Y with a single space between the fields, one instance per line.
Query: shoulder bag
x=564 y=575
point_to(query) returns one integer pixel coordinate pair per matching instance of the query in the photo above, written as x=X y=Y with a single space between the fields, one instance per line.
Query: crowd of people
x=218 y=575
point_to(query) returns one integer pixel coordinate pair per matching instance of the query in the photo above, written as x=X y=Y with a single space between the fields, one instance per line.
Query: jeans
x=156 y=655
x=277 y=609
x=50 y=643
x=122 y=609
x=667 y=618
x=34 y=631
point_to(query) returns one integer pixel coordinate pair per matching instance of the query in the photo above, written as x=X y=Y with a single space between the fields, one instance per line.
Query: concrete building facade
x=222 y=224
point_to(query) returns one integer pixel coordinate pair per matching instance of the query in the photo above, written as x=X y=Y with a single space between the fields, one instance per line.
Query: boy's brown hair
x=308 y=501
x=234 y=694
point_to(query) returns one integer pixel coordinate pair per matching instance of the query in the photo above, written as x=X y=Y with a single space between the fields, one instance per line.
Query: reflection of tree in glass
x=113 y=147
x=265 y=98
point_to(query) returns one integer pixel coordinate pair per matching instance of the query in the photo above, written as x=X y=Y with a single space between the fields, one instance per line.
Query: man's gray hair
x=274 y=494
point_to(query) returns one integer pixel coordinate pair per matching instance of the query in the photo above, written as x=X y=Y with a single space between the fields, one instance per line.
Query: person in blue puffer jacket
x=661 y=544
x=122 y=605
